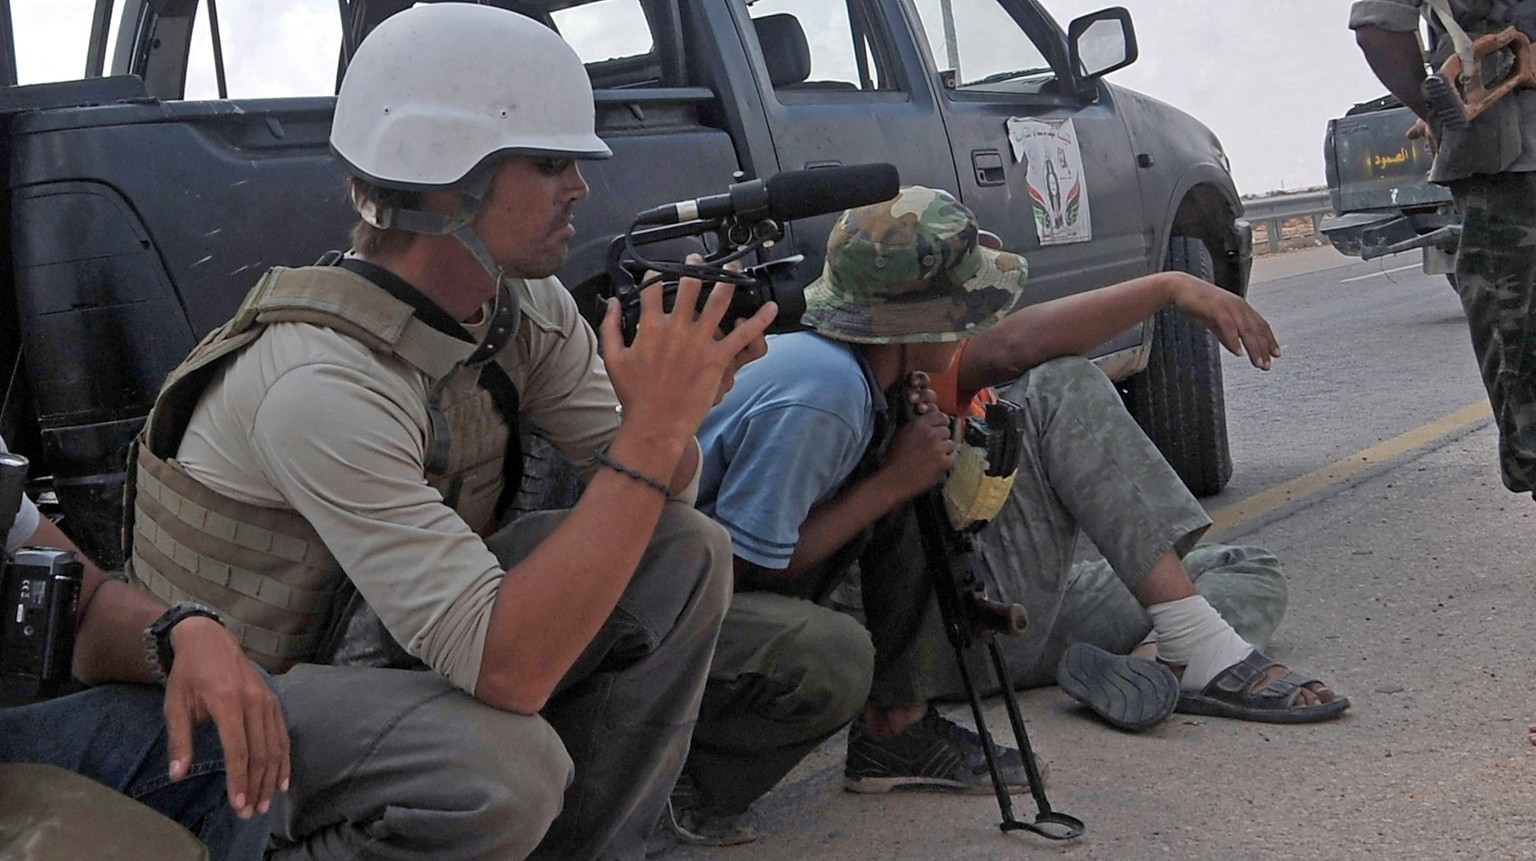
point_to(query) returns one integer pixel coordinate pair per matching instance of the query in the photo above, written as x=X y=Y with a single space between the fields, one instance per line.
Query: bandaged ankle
x=1191 y=634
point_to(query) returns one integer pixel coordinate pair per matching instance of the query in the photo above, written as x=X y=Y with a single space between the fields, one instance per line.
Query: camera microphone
x=786 y=196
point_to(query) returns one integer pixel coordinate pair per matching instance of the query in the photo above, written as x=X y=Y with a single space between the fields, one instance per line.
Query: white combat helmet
x=440 y=88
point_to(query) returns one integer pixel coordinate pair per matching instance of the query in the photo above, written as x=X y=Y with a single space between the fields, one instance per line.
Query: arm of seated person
x=211 y=679
x=1074 y=325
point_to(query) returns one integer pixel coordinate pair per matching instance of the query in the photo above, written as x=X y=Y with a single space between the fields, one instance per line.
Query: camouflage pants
x=1496 y=277
x=1087 y=468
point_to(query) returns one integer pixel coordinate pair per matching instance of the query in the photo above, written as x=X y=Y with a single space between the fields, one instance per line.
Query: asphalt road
x=1365 y=461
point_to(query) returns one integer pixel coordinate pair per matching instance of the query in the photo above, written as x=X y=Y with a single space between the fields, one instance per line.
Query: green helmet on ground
x=910 y=270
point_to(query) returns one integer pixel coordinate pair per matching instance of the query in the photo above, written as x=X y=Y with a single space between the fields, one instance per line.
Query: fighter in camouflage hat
x=910 y=270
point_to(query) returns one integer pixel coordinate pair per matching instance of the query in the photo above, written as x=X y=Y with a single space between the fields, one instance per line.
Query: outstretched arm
x=1073 y=325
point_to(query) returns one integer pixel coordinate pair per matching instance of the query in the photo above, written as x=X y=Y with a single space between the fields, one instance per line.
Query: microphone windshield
x=803 y=193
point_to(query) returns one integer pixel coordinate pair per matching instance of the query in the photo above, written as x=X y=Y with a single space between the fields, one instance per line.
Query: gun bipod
x=966 y=626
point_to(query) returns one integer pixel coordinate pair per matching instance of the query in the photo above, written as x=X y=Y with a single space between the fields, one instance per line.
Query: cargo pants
x=400 y=764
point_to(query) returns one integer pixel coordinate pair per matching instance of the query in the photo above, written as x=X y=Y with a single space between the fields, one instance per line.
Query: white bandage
x=1190 y=633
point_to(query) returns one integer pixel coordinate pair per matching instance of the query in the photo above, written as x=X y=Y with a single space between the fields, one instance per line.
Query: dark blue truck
x=145 y=198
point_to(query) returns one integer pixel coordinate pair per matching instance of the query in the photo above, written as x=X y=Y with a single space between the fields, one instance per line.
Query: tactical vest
x=266 y=570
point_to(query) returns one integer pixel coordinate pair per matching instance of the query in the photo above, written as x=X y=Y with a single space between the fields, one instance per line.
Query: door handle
x=988 y=166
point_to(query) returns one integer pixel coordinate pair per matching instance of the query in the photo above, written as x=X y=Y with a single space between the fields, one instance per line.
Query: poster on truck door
x=1053 y=170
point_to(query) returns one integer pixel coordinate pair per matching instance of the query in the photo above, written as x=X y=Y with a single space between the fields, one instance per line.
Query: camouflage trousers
x=1086 y=469
x=1496 y=277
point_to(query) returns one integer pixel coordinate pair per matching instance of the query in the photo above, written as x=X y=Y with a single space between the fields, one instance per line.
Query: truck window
x=271 y=48
x=836 y=38
x=50 y=40
x=613 y=38
x=979 y=47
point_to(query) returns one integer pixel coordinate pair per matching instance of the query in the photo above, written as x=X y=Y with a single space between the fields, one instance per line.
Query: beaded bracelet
x=603 y=458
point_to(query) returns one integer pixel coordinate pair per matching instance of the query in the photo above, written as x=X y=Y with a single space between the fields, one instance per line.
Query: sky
x=1265 y=76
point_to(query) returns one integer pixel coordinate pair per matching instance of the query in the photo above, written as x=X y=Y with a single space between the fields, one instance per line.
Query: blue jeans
x=115 y=735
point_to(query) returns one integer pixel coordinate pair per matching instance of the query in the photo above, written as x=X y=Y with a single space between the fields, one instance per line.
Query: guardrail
x=1275 y=209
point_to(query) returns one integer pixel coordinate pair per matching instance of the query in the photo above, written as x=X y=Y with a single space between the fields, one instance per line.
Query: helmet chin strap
x=506 y=313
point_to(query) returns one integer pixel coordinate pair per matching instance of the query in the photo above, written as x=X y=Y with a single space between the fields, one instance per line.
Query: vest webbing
x=266 y=570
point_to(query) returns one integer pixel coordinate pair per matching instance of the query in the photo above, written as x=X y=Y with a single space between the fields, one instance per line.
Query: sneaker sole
x=882 y=785
x=1133 y=694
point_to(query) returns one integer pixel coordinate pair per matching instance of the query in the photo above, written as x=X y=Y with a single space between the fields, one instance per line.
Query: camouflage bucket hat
x=910 y=270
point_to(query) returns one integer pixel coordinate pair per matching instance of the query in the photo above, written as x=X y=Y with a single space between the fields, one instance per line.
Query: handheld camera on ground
x=748 y=217
x=39 y=590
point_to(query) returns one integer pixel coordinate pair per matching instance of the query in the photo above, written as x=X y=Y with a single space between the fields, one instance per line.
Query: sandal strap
x=1240 y=678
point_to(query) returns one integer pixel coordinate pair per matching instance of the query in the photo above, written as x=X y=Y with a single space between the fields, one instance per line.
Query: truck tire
x=1178 y=400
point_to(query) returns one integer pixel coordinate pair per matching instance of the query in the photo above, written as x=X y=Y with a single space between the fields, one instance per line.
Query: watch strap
x=157 y=637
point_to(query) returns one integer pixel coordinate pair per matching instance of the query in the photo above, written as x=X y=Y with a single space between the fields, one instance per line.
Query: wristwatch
x=157 y=637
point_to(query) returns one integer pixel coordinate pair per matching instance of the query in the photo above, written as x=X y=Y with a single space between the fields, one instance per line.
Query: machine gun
x=948 y=516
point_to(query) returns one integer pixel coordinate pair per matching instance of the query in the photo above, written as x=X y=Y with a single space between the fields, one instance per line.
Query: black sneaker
x=933 y=754
x=684 y=822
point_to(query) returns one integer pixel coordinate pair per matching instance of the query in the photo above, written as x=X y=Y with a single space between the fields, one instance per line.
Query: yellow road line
x=1247 y=509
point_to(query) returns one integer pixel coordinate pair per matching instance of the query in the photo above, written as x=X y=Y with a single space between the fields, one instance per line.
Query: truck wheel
x=1178 y=400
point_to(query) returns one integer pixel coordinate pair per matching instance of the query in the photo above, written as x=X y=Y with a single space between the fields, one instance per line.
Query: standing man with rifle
x=808 y=468
x=1489 y=164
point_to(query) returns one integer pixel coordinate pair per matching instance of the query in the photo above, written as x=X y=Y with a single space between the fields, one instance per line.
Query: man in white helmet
x=334 y=462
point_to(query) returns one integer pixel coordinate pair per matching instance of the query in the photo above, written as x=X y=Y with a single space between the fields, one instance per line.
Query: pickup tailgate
x=1373 y=166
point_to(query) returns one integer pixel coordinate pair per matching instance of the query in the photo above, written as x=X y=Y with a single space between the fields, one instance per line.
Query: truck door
x=838 y=89
x=1046 y=167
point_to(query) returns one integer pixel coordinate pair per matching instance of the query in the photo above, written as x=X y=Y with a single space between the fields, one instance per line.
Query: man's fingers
x=284 y=750
x=261 y=768
x=751 y=328
x=178 y=736
x=232 y=738
x=716 y=306
x=1230 y=339
x=608 y=330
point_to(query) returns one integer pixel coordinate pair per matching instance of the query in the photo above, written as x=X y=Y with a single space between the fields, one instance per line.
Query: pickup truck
x=146 y=197
x=1378 y=180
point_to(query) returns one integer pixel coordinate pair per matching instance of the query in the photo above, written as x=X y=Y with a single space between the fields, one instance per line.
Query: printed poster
x=1053 y=170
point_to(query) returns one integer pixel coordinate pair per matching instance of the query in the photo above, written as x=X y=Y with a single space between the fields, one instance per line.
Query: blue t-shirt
x=784 y=440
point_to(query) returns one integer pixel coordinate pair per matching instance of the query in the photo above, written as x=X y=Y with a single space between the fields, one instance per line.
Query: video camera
x=39 y=590
x=747 y=217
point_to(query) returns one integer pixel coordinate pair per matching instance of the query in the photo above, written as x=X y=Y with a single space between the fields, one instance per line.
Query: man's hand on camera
x=680 y=364
x=211 y=679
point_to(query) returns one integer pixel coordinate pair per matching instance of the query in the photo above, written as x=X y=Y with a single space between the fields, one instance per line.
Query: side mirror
x=1101 y=42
